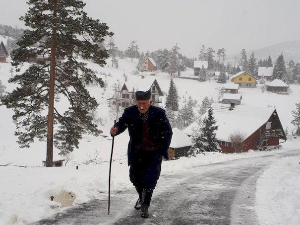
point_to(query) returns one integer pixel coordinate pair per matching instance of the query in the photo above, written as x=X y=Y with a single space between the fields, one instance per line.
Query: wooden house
x=3 y=53
x=126 y=96
x=198 y=65
x=180 y=144
x=244 y=79
x=229 y=98
x=265 y=73
x=254 y=127
x=277 y=86
x=149 y=65
x=230 y=88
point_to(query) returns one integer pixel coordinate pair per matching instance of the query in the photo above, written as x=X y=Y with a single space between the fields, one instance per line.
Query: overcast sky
x=155 y=24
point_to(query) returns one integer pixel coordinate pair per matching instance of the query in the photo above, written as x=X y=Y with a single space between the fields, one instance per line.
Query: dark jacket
x=160 y=131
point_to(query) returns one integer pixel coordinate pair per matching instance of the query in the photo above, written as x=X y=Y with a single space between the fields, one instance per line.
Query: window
x=153 y=88
x=240 y=79
x=249 y=79
x=123 y=104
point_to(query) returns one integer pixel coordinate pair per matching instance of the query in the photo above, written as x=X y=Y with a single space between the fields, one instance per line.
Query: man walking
x=150 y=136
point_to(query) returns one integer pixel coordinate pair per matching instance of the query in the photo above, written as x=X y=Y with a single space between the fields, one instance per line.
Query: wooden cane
x=111 y=155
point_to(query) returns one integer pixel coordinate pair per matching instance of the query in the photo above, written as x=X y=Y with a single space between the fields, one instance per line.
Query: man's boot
x=146 y=199
x=138 y=203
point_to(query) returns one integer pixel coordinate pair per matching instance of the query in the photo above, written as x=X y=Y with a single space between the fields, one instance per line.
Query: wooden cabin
x=198 y=65
x=244 y=79
x=149 y=65
x=180 y=144
x=277 y=86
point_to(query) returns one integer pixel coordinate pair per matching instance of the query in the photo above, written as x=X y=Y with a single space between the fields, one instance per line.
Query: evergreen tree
x=142 y=59
x=279 y=71
x=222 y=78
x=205 y=141
x=269 y=62
x=203 y=54
x=186 y=113
x=205 y=105
x=244 y=61
x=171 y=117
x=210 y=58
x=172 y=98
x=133 y=50
x=2 y=89
x=60 y=31
x=290 y=71
x=252 y=67
x=202 y=74
x=296 y=120
x=174 y=61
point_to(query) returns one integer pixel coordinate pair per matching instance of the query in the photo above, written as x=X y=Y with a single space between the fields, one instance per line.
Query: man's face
x=143 y=105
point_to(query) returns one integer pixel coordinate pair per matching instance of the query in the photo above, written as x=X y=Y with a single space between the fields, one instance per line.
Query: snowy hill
x=290 y=50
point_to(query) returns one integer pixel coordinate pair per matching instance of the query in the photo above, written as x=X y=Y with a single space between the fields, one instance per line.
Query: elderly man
x=150 y=136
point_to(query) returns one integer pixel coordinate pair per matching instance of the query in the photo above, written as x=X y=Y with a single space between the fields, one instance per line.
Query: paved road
x=222 y=193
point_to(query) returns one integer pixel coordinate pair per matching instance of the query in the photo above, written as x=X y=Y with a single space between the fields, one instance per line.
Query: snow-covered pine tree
x=202 y=74
x=222 y=77
x=244 y=61
x=279 y=71
x=172 y=97
x=171 y=115
x=203 y=54
x=210 y=58
x=252 y=65
x=269 y=62
x=205 y=105
x=186 y=113
x=2 y=89
x=205 y=141
x=290 y=71
x=296 y=120
x=60 y=31
x=133 y=50
x=174 y=61
x=141 y=62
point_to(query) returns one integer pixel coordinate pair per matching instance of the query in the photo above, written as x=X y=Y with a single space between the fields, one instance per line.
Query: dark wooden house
x=180 y=144
x=277 y=86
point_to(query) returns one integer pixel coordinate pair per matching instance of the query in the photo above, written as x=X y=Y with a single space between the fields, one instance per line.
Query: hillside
x=290 y=50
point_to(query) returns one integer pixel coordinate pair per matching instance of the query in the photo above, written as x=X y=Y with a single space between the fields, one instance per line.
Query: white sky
x=154 y=24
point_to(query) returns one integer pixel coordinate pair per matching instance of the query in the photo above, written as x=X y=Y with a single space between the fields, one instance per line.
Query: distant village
x=245 y=73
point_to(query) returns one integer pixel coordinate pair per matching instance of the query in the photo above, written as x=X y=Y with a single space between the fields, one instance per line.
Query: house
x=58 y=163
x=198 y=65
x=230 y=88
x=149 y=65
x=277 y=86
x=126 y=96
x=255 y=127
x=180 y=144
x=229 y=98
x=265 y=73
x=3 y=53
x=244 y=79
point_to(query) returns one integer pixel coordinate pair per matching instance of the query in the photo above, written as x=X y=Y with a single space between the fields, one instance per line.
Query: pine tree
x=222 y=77
x=141 y=62
x=60 y=31
x=296 y=120
x=186 y=113
x=202 y=74
x=269 y=62
x=210 y=58
x=133 y=50
x=205 y=105
x=244 y=61
x=252 y=65
x=174 y=61
x=172 y=98
x=205 y=141
x=279 y=71
x=290 y=71
x=203 y=54
x=2 y=89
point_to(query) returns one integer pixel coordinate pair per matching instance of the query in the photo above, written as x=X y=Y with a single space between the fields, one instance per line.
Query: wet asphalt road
x=222 y=193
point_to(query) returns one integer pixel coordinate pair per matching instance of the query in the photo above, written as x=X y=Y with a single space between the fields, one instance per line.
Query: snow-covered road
x=222 y=193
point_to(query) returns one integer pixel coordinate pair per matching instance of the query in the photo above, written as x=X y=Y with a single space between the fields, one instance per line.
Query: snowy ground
x=27 y=186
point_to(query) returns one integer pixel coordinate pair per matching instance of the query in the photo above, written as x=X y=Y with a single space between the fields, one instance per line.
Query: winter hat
x=142 y=95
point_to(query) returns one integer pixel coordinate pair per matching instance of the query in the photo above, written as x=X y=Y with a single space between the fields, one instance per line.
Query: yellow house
x=244 y=79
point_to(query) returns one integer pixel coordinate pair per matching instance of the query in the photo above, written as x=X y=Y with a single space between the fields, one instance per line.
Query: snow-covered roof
x=142 y=84
x=217 y=73
x=232 y=96
x=200 y=64
x=180 y=139
x=243 y=119
x=236 y=75
x=277 y=83
x=152 y=61
x=231 y=86
x=265 y=71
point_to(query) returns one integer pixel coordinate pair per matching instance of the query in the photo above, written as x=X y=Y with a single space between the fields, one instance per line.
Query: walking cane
x=112 y=150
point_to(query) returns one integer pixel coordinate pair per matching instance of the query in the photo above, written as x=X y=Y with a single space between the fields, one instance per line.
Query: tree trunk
x=49 y=158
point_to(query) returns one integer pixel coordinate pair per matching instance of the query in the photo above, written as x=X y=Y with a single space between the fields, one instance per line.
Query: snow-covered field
x=26 y=186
